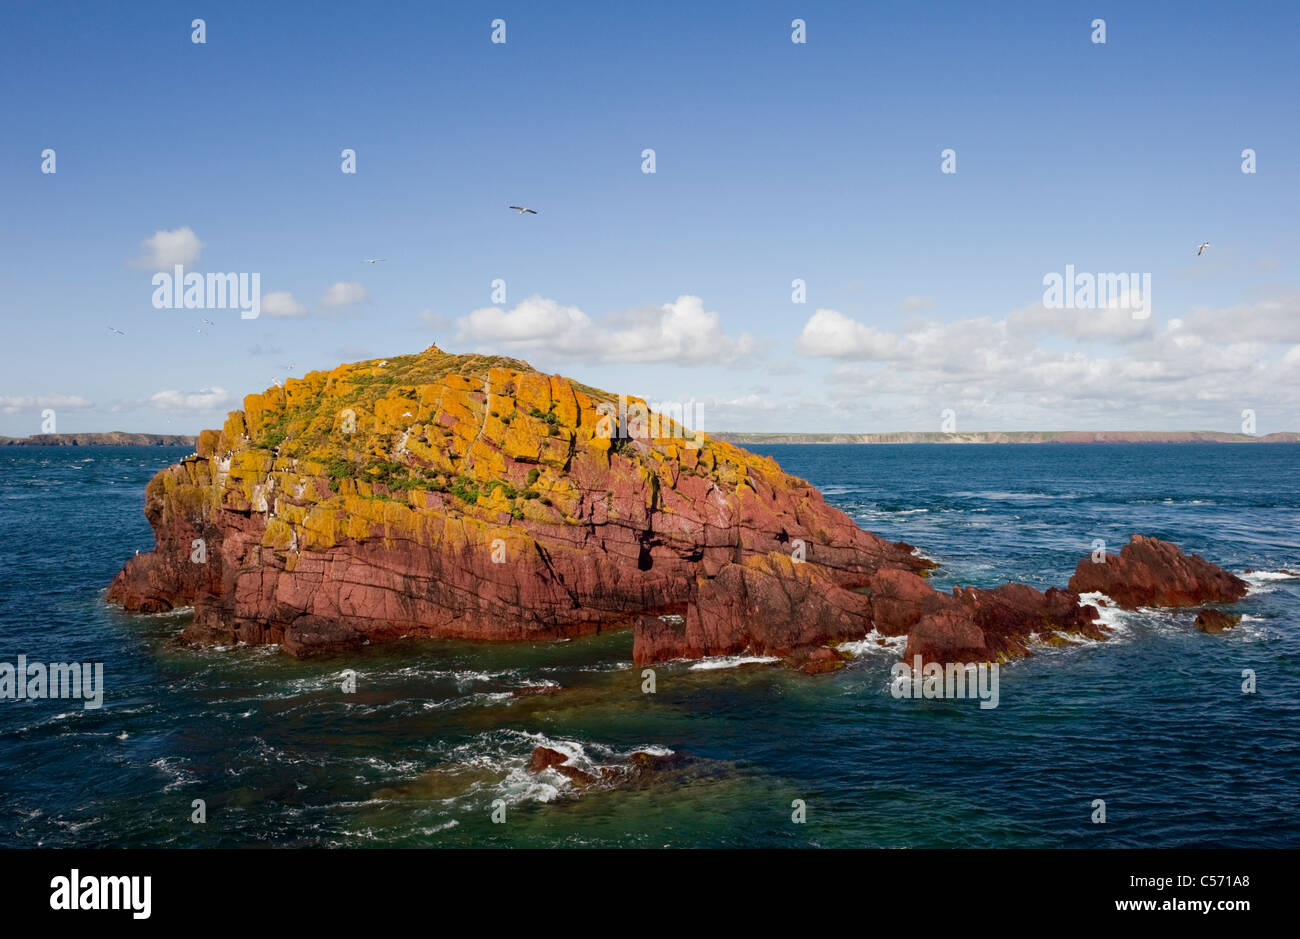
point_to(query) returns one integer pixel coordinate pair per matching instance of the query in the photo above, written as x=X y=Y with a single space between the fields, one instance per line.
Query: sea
x=1184 y=739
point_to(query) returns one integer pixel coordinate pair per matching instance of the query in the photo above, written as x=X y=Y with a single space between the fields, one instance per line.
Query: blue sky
x=774 y=161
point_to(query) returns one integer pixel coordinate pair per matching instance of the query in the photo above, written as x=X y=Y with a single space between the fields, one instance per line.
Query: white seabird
x=521 y=210
x=1201 y=247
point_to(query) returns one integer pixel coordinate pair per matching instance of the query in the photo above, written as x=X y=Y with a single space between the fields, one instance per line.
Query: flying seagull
x=521 y=210
x=1201 y=247
x=208 y=322
x=372 y=260
x=118 y=331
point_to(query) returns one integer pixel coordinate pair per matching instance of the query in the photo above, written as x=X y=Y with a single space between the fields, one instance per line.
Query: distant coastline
x=115 y=438
x=1027 y=436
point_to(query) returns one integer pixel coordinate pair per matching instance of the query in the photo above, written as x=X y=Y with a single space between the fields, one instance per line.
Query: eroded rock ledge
x=473 y=497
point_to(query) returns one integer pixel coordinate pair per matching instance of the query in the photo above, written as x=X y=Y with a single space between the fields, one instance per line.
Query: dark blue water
x=1153 y=721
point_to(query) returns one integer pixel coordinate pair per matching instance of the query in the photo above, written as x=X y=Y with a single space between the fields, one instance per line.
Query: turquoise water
x=1153 y=721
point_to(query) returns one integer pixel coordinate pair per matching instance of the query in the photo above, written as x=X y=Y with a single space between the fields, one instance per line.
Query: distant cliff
x=1017 y=436
x=114 y=438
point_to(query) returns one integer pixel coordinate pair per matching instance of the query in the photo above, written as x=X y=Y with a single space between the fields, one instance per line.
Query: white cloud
x=282 y=304
x=206 y=399
x=1114 y=322
x=830 y=333
x=166 y=249
x=1057 y=369
x=915 y=304
x=12 y=404
x=345 y=293
x=752 y=402
x=681 y=331
x=1273 y=319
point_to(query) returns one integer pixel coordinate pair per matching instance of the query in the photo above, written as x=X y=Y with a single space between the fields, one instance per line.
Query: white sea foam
x=1251 y=629
x=451 y=823
x=1262 y=581
x=876 y=644
x=506 y=755
x=654 y=750
x=732 y=661
x=180 y=776
x=1109 y=615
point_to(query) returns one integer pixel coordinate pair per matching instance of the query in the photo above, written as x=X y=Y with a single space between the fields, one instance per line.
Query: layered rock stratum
x=472 y=497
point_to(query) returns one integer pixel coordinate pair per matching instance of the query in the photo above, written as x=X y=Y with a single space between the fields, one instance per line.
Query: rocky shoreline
x=473 y=497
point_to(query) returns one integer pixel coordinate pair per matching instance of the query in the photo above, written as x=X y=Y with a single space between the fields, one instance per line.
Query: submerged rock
x=545 y=758
x=441 y=782
x=529 y=691
x=818 y=661
x=576 y=776
x=1215 y=621
x=639 y=767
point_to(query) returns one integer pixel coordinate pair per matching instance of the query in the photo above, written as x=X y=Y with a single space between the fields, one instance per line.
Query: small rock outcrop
x=1151 y=572
x=1215 y=621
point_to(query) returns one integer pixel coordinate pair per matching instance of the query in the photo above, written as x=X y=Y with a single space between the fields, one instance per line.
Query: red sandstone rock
x=818 y=661
x=625 y=537
x=545 y=758
x=644 y=765
x=694 y=548
x=576 y=776
x=529 y=691
x=640 y=766
x=1215 y=621
x=766 y=605
x=1150 y=572
x=948 y=636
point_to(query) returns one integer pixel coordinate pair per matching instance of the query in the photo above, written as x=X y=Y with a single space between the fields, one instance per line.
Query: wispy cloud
x=13 y=404
x=1050 y=368
x=206 y=399
x=281 y=304
x=678 y=332
x=165 y=249
x=344 y=294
